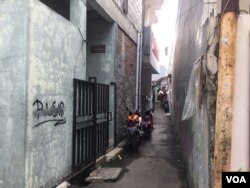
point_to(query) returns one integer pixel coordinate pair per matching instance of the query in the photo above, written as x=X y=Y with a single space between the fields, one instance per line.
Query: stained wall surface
x=56 y=56
x=195 y=134
x=13 y=95
x=41 y=53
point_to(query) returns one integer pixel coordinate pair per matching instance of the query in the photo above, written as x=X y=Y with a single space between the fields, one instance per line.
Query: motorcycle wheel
x=134 y=143
x=148 y=134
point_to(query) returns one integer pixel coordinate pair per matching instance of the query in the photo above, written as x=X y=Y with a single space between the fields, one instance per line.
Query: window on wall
x=98 y=49
x=125 y=6
x=122 y=5
x=62 y=7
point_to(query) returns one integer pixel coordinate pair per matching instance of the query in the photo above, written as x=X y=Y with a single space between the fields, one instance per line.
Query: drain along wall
x=195 y=134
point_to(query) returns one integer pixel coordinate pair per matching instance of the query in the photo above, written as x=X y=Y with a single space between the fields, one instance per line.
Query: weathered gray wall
x=56 y=56
x=102 y=65
x=13 y=58
x=194 y=134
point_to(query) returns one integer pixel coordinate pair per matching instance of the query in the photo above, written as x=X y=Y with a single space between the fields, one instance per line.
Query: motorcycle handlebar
x=130 y=112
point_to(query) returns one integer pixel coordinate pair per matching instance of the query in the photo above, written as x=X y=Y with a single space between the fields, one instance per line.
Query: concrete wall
x=195 y=134
x=13 y=64
x=41 y=53
x=111 y=10
x=56 y=55
x=102 y=65
x=125 y=76
x=101 y=32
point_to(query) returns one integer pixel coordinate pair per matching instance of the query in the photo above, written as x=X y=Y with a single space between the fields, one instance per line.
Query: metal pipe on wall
x=140 y=62
x=115 y=102
x=138 y=70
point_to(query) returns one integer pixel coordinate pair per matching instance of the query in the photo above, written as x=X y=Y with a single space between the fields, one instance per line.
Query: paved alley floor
x=157 y=164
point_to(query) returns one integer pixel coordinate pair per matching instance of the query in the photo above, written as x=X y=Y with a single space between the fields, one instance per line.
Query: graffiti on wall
x=53 y=112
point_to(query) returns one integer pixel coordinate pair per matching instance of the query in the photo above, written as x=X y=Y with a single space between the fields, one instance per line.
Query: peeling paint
x=224 y=41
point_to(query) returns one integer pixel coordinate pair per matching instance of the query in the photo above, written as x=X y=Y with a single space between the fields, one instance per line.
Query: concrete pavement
x=157 y=164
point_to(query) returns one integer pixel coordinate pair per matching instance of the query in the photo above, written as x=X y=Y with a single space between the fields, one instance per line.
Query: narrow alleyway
x=156 y=165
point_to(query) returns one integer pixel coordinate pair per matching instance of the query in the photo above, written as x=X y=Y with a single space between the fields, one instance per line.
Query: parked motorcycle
x=165 y=105
x=133 y=128
x=147 y=124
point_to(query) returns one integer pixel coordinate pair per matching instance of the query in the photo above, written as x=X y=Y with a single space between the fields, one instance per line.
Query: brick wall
x=125 y=75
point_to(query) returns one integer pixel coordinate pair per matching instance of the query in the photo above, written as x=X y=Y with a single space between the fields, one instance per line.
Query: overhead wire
x=81 y=50
x=216 y=27
x=213 y=34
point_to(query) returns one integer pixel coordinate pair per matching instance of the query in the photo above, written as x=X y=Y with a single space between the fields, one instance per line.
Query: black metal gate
x=90 y=122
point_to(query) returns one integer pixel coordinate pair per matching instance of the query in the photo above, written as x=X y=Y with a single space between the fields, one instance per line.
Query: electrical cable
x=213 y=34
x=216 y=27
x=80 y=50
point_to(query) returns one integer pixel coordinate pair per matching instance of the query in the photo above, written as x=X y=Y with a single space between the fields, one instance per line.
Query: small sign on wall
x=98 y=49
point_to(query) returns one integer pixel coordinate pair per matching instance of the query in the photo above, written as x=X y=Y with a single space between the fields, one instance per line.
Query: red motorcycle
x=133 y=126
